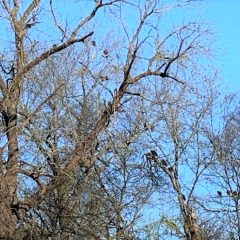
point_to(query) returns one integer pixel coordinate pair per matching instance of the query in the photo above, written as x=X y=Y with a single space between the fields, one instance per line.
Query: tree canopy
x=112 y=124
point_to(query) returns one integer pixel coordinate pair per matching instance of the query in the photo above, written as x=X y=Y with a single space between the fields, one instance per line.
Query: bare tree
x=180 y=151
x=63 y=87
x=223 y=176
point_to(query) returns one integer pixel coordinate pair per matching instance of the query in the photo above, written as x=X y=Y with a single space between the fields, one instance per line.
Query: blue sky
x=224 y=19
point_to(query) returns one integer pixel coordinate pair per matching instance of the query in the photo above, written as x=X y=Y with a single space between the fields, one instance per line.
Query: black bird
x=235 y=193
x=219 y=193
x=93 y=43
x=105 y=53
x=229 y=193
x=149 y=156
x=145 y=125
x=170 y=169
x=164 y=163
x=183 y=197
x=154 y=153
x=163 y=74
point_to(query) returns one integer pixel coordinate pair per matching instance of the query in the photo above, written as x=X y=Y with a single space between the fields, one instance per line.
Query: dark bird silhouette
x=149 y=156
x=164 y=163
x=235 y=193
x=103 y=78
x=154 y=153
x=163 y=74
x=145 y=125
x=183 y=197
x=93 y=43
x=219 y=193
x=229 y=193
x=29 y=25
x=170 y=169
x=105 y=53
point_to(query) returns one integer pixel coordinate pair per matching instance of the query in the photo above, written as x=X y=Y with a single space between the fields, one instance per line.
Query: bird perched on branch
x=152 y=155
x=164 y=163
x=219 y=193
x=170 y=169
x=233 y=194
x=105 y=53
x=183 y=197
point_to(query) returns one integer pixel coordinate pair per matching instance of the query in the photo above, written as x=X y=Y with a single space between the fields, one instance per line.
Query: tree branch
x=45 y=55
x=29 y=10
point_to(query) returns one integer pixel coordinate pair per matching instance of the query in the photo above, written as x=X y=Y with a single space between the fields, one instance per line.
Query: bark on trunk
x=8 y=218
x=8 y=178
x=191 y=228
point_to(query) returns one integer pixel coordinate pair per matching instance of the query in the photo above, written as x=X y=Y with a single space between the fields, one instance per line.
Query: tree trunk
x=191 y=228
x=8 y=178
x=8 y=218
